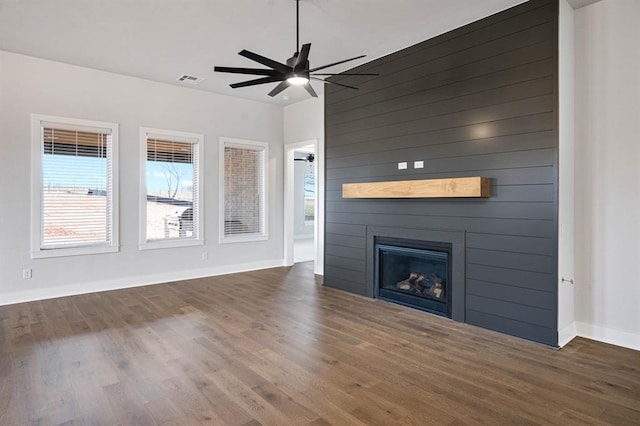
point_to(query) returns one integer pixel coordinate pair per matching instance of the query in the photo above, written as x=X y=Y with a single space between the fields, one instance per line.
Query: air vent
x=190 y=79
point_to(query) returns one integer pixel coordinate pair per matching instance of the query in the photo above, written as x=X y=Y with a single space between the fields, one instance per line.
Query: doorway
x=300 y=202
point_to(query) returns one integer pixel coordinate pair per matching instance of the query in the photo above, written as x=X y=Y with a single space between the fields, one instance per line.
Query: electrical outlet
x=205 y=255
x=418 y=164
x=402 y=165
x=26 y=274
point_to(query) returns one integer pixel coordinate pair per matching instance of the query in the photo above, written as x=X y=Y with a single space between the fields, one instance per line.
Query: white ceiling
x=162 y=39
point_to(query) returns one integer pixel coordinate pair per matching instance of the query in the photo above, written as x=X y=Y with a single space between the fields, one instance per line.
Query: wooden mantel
x=424 y=188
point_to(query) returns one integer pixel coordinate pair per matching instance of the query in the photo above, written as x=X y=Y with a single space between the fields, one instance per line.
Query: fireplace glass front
x=414 y=273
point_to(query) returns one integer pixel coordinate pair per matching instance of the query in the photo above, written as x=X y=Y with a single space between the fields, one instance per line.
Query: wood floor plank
x=276 y=347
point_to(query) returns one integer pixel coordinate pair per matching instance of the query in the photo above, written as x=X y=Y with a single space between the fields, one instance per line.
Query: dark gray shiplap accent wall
x=477 y=101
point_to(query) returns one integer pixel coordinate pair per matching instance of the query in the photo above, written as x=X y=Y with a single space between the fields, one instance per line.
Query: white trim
x=609 y=335
x=178 y=136
x=73 y=251
x=567 y=334
x=566 y=176
x=37 y=122
x=74 y=124
x=288 y=197
x=36 y=177
x=170 y=243
x=115 y=190
x=128 y=282
x=319 y=228
x=245 y=144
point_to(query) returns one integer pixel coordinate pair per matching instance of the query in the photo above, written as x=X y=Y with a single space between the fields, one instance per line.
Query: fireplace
x=414 y=273
x=450 y=241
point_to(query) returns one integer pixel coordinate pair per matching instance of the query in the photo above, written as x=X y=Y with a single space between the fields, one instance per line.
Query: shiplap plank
x=515 y=210
x=510 y=243
x=508 y=293
x=512 y=277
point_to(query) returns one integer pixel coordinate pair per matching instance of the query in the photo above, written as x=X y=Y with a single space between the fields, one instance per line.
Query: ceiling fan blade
x=310 y=90
x=303 y=57
x=337 y=84
x=347 y=73
x=279 y=88
x=336 y=63
x=255 y=82
x=254 y=71
x=282 y=68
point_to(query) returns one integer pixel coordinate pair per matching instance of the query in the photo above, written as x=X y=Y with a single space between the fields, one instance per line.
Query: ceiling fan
x=308 y=158
x=295 y=72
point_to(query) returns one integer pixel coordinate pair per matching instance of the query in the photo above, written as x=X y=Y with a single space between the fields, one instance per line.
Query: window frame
x=37 y=251
x=243 y=144
x=178 y=136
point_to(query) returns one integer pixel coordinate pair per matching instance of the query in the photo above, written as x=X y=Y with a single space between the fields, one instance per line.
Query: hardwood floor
x=274 y=347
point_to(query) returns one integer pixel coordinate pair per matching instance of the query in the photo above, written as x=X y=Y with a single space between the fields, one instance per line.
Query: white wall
x=566 y=185
x=608 y=172
x=304 y=121
x=29 y=85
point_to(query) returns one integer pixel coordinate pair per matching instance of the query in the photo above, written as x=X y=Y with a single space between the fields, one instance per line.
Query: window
x=74 y=186
x=170 y=188
x=243 y=190
x=309 y=195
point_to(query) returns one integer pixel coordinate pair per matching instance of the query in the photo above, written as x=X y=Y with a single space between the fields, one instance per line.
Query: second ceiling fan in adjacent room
x=296 y=70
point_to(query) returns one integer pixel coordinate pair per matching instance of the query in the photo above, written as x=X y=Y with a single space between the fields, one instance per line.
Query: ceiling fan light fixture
x=297 y=79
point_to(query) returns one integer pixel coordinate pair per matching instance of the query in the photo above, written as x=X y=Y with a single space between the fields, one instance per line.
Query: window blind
x=76 y=187
x=244 y=190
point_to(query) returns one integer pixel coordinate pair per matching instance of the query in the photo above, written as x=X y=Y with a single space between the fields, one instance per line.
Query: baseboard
x=138 y=281
x=609 y=335
x=567 y=334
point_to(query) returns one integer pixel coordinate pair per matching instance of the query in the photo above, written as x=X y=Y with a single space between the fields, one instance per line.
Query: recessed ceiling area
x=161 y=40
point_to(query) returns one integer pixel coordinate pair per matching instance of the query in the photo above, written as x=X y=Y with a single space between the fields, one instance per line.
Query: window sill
x=75 y=251
x=171 y=243
x=243 y=239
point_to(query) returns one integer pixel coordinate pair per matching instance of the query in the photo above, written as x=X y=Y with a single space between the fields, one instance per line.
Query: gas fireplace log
x=437 y=290
x=409 y=283
x=430 y=285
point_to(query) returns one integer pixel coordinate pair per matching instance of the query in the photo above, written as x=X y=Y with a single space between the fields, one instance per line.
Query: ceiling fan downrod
x=297 y=27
